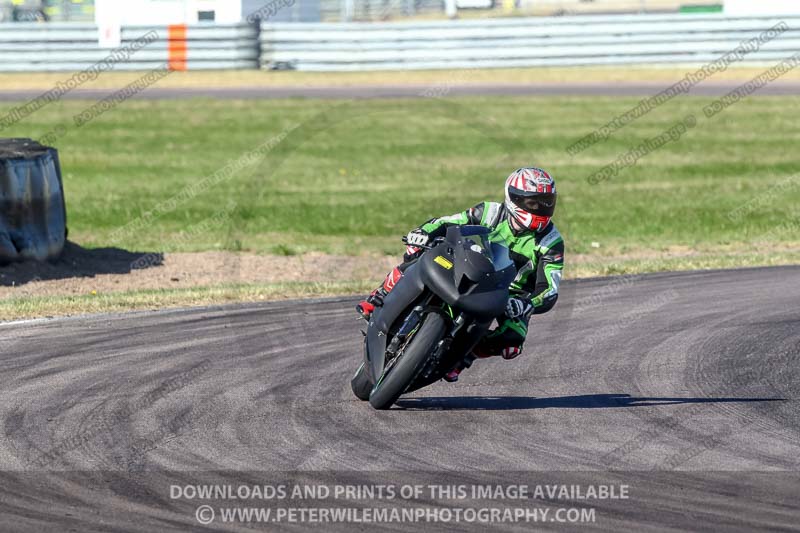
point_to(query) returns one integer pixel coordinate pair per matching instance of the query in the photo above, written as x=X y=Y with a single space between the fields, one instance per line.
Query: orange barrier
x=177 y=47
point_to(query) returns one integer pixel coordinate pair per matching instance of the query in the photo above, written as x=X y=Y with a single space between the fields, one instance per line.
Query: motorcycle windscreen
x=472 y=262
x=467 y=280
x=500 y=257
x=471 y=230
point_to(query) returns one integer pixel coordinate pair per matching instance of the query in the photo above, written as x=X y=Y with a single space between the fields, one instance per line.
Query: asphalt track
x=779 y=88
x=682 y=386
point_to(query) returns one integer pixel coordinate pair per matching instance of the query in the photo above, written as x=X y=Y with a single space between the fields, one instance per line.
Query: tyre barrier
x=33 y=215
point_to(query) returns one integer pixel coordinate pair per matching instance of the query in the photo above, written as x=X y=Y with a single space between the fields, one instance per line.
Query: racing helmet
x=530 y=199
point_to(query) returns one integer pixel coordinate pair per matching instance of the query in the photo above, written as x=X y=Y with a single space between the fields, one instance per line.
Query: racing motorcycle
x=434 y=316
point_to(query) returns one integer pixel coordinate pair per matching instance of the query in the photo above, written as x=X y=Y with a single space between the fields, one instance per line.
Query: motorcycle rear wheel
x=361 y=384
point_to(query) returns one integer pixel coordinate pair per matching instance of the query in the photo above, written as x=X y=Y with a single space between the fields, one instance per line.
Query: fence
x=520 y=42
x=486 y=43
x=29 y=47
x=384 y=10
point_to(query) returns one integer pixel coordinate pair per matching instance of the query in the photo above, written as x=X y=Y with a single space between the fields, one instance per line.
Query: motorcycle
x=434 y=316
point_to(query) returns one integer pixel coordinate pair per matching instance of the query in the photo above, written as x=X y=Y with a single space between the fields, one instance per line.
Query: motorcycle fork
x=405 y=332
x=407 y=329
x=413 y=321
x=443 y=345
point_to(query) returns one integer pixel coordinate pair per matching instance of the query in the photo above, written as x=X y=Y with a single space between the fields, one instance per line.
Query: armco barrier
x=32 y=211
x=520 y=42
x=28 y=47
x=484 y=43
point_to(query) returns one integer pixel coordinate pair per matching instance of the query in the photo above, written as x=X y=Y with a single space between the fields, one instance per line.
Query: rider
x=523 y=224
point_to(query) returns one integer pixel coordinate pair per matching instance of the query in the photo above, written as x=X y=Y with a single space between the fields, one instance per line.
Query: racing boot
x=375 y=298
x=367 y=306
x=452 y=376
x=480 y=352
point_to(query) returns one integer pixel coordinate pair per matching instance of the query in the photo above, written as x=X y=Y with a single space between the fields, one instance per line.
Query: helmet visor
x=541 y=204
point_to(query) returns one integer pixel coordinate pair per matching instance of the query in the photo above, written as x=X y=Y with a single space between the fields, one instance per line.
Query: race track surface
x=629 y=380
x=779 y=88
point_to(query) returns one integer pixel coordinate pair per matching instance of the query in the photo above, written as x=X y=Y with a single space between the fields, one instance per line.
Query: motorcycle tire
x=410 y=363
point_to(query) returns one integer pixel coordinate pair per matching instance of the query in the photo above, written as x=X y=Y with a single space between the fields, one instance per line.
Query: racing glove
x=518 y=307
x=417 y=237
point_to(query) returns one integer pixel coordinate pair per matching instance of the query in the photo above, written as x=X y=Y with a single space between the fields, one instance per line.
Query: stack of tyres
x=33 y=219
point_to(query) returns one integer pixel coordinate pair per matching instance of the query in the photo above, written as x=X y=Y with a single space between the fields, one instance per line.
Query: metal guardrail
x=30 y=47
x=520 y=42
x=515 y=42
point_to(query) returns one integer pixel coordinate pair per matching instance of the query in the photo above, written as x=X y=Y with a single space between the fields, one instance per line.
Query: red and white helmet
x=530 y=199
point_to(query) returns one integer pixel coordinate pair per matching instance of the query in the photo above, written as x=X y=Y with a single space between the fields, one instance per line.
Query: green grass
x=353 y=177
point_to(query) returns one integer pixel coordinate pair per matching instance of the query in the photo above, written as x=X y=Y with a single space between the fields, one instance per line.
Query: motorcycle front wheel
x=409 y=363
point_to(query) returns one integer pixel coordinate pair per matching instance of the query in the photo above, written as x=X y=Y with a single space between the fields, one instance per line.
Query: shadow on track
x=587 y=401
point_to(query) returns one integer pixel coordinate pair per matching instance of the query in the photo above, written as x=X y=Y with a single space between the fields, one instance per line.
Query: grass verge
x=287 y=177
x=293 y=176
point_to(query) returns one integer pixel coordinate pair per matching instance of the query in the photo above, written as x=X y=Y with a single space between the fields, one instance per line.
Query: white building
x=134 y=12
x=762 y=7
x=160 y=12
